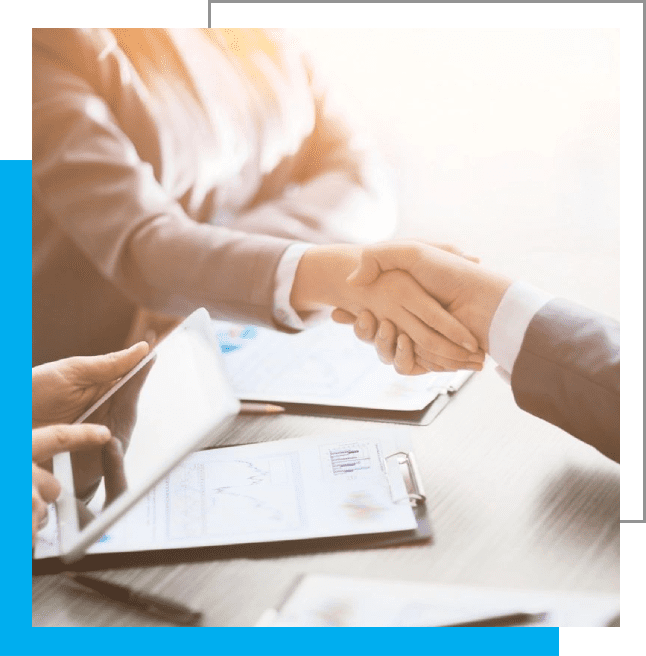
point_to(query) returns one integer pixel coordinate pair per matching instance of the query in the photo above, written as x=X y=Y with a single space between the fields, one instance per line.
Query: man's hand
x=63 y=390
x=469 y=292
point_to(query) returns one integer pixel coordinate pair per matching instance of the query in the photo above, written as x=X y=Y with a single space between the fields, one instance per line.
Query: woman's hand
x=63 y=390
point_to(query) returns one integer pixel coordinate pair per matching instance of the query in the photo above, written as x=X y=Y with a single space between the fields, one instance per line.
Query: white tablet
x=170 y=404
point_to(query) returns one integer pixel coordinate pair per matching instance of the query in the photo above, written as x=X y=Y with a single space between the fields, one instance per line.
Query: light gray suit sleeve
x=567 y=372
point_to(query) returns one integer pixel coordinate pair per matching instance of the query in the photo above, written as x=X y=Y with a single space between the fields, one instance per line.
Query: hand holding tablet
x=62 y=390
x=45 y=443
x=164 y=407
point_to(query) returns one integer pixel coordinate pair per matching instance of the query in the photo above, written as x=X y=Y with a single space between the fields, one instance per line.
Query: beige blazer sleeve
x=91 y=183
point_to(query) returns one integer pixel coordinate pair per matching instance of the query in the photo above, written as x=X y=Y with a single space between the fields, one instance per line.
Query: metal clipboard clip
x=416 y=495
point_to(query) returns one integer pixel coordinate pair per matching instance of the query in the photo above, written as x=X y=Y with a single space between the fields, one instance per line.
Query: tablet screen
x=162 y=410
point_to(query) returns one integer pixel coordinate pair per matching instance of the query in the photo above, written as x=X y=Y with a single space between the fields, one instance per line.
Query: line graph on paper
x=322 y=373
x=234 y=497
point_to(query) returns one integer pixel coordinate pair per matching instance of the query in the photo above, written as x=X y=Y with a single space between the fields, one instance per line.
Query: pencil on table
x=260 y=409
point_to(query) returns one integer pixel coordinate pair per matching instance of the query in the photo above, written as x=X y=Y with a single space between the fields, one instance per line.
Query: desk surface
x=513 y=501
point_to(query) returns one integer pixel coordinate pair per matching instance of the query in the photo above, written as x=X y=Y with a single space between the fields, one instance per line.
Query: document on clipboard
x=327 y=371
x=359 y=485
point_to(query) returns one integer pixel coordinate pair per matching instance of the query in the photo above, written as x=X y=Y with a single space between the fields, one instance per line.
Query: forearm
x=321 y=279
x=180 y=267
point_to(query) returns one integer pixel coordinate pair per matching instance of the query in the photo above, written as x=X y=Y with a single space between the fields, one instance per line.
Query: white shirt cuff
x=283 y=312
x=510 y=321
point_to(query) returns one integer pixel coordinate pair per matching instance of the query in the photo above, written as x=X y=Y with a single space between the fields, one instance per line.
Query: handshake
x=427 y=308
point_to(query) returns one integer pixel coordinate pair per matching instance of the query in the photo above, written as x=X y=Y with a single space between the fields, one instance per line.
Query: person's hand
x=321 y=279
x=470 y=292
x=63 y=390
x=45 y=443
x=402 y=307
x=119 y=414
x=401 y=354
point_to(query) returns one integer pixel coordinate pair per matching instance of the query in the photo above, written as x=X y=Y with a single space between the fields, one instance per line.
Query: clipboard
x=414 y=494
x=326 y=371
x=421 y=417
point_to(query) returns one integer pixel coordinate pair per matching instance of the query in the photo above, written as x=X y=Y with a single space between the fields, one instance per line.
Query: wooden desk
x=513 y=501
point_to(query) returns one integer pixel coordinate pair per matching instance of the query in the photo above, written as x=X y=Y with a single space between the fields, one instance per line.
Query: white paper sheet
x=284 y=490
x=346 y=601
x=324 y=365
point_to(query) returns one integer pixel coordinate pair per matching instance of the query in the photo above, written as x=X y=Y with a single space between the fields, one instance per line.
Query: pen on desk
x=513 y=619
x=146 y=603
x=247 y=408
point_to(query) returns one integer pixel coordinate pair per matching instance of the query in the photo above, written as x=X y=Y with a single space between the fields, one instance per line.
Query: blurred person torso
x=219 y=115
